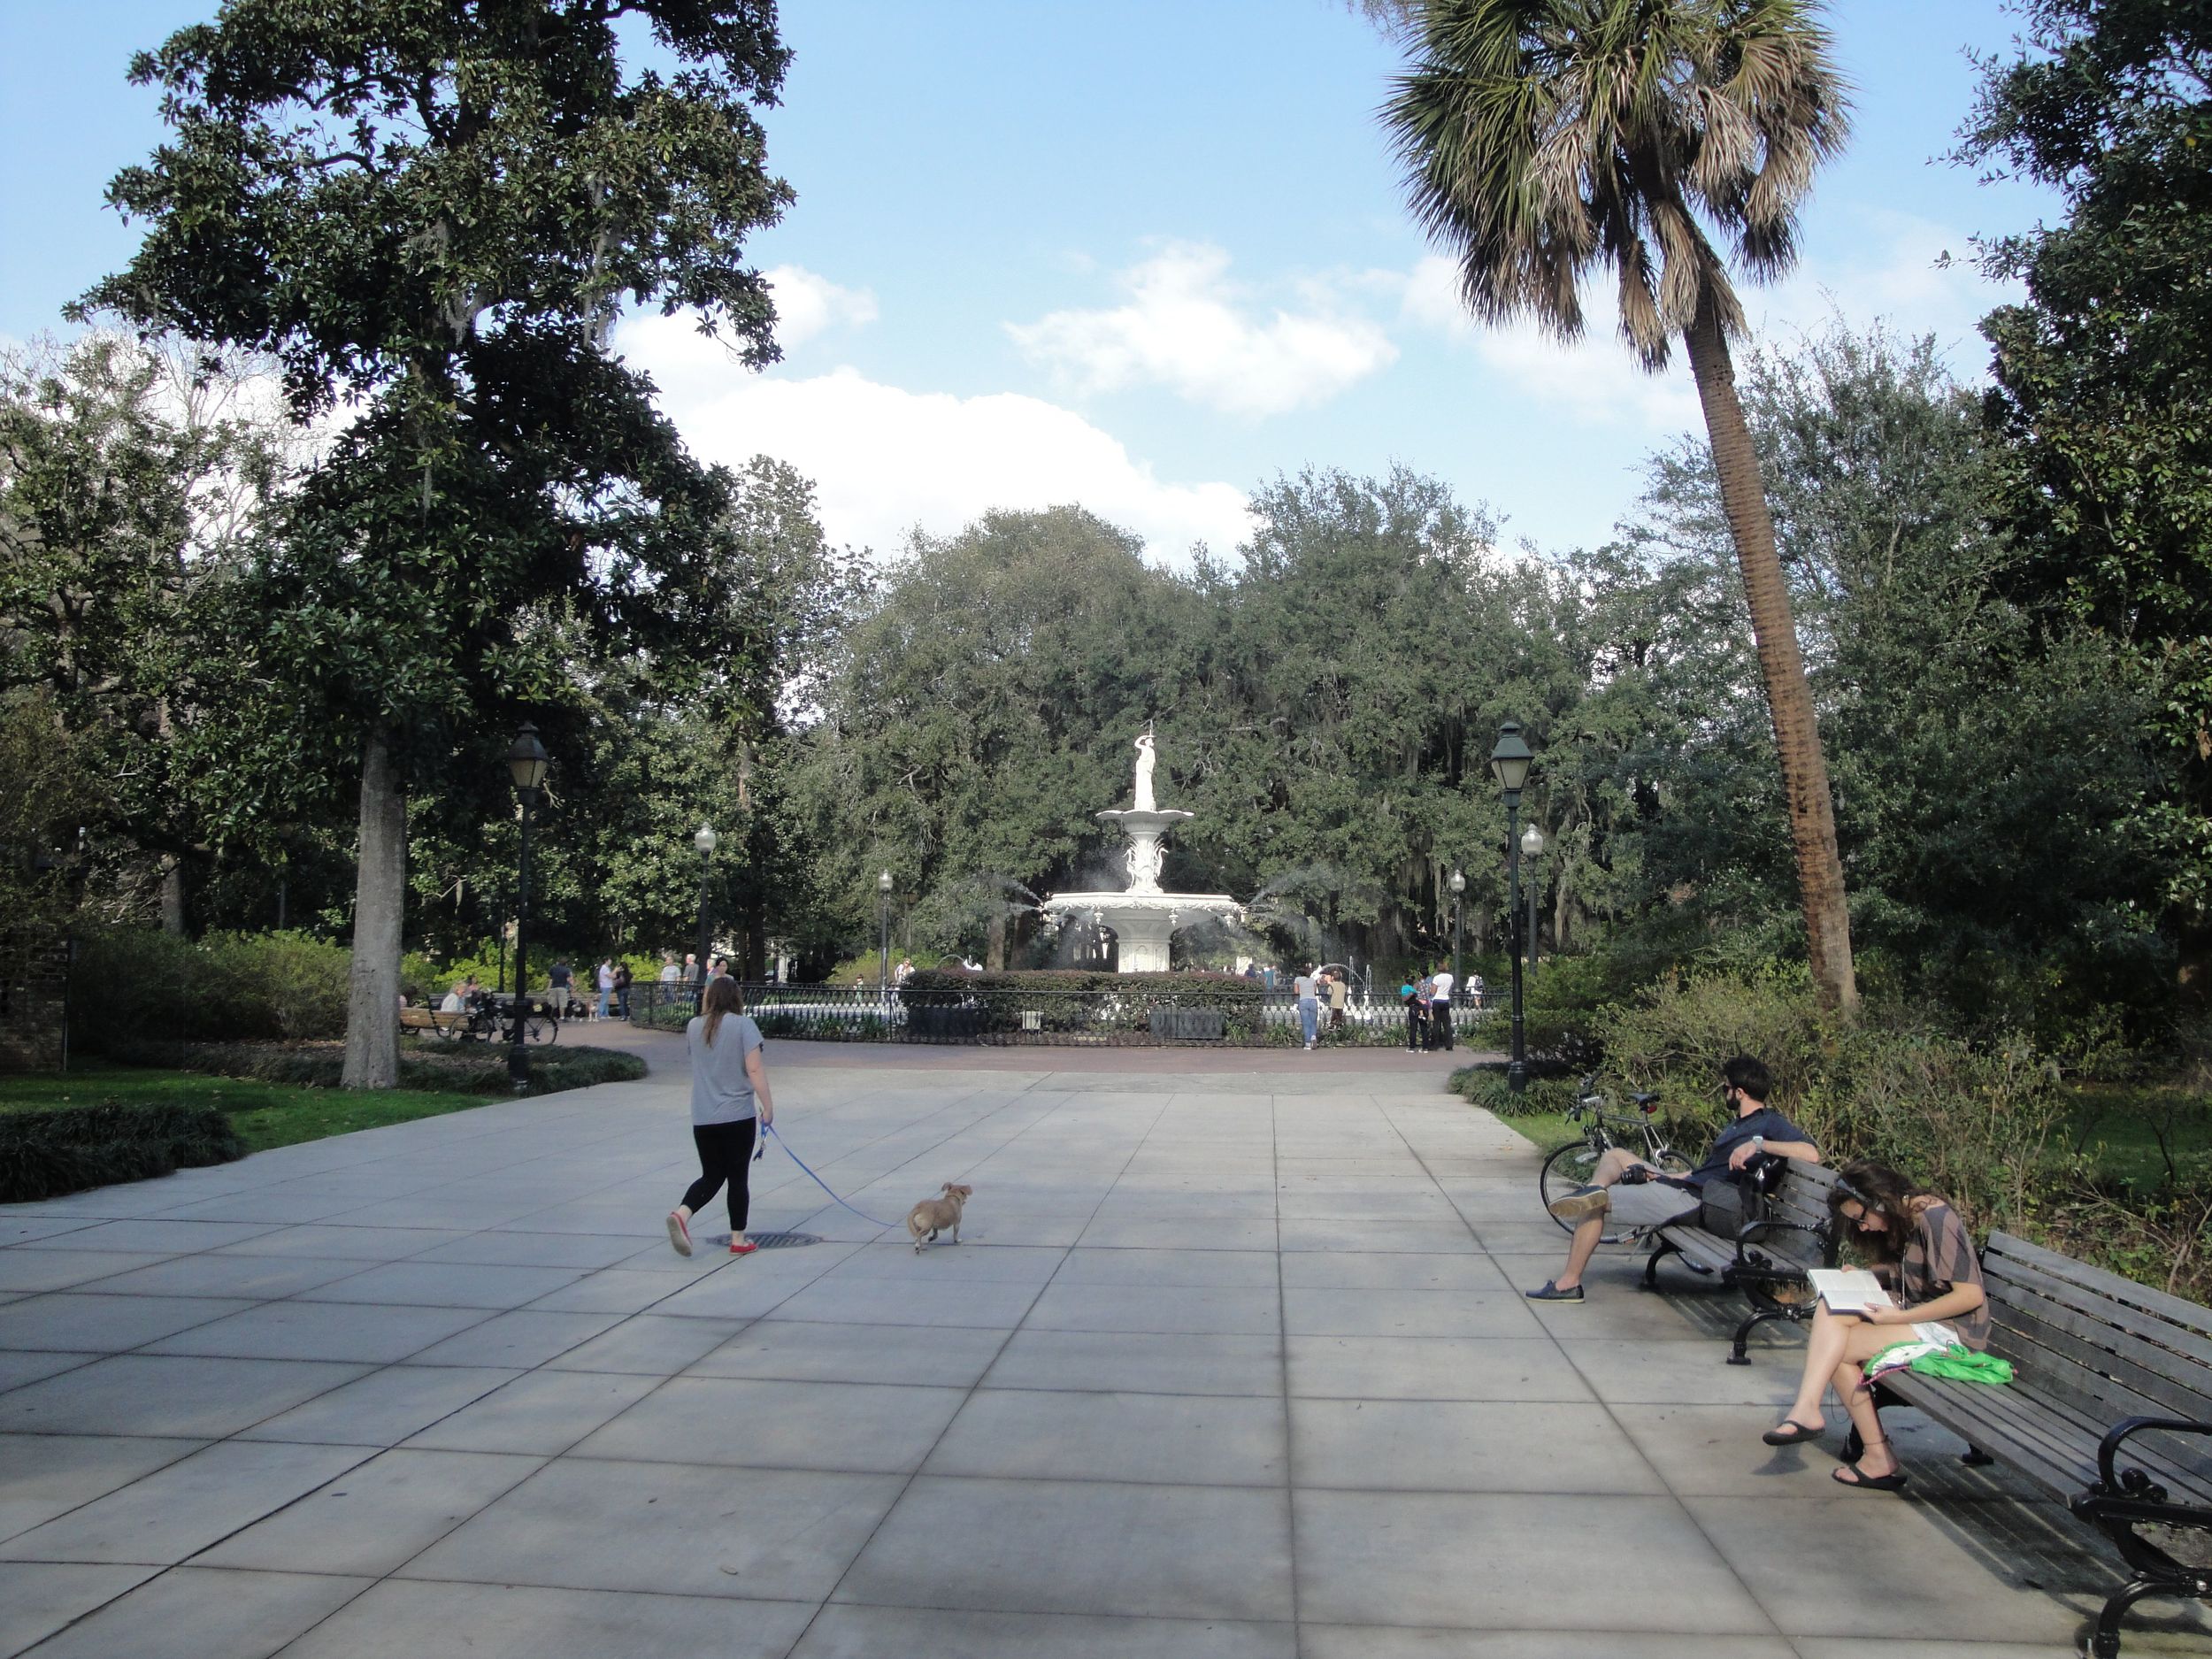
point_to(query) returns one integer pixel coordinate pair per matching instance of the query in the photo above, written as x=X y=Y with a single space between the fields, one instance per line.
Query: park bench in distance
x=435 y=1021
x=2109 y=1410
x=1788 y=1229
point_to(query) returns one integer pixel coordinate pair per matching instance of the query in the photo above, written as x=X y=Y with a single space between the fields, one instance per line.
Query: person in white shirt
x=669 y=970
x=454 y=1003
x=1441 y=1006
x=606 y=986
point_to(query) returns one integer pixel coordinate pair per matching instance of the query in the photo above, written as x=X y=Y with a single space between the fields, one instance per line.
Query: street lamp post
x=704 y=841
x=1531 y=849
x=883 y=919
x=1509 y=761
x=1458 y=884
x=526 y=762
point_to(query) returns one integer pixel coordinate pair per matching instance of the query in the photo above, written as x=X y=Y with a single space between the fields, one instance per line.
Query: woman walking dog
x=729 y=1088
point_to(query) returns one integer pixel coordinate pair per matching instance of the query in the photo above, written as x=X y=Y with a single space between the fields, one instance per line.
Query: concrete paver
x=1232 y=1361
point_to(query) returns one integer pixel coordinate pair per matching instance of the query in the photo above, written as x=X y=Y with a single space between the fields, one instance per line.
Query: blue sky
x=1141 y=256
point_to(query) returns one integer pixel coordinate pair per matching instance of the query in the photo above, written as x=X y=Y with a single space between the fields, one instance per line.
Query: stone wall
x=33 y=976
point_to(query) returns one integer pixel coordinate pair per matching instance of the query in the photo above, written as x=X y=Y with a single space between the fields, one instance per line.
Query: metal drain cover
x=784 y=1241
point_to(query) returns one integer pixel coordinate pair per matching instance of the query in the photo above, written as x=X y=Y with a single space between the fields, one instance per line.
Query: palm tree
x=1543 y=138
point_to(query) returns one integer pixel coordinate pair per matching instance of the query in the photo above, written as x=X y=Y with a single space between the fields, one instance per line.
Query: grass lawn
x=265 y=1114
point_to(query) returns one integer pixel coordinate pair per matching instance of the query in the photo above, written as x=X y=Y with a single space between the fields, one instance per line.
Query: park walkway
x=1234 y=1360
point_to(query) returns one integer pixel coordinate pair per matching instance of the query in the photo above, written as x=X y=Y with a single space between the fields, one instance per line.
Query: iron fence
x=1133 y=1017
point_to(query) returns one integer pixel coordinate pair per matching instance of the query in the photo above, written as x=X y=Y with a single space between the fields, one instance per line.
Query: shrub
x=138 y=983
x=45 y=1154
x=1485 y=1085
x=1073 y=1000
x=1973 y=1121
x=478 y=1068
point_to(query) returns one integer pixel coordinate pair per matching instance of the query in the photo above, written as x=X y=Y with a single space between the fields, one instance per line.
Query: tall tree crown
x=1543 y=137
x=362 y=186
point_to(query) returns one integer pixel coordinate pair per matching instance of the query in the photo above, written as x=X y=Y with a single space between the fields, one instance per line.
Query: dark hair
x=722 y=997
x=1749 y=1075
x=1881 y=1191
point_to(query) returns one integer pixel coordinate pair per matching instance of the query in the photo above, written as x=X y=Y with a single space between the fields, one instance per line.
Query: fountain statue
x=1143 y=918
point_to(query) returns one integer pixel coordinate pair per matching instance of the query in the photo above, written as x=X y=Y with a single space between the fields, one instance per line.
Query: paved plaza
x=1233 y=1361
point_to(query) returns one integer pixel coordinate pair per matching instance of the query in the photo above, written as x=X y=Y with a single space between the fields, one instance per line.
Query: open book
x=1855 y=1290
x=1848 y=1289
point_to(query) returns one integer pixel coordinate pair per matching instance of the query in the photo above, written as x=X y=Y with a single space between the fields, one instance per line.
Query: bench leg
x=2105 y=1644
x=1659 y=1248
x=1737 y=1355
x=1974 y=1457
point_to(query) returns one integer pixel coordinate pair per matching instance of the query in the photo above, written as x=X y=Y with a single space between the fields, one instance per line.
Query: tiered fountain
x=1142 y=918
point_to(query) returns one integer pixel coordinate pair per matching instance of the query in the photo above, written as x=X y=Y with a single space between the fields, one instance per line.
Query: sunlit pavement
x=1232 y=1360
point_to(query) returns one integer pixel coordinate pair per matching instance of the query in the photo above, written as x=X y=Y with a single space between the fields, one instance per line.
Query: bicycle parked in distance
x=1574 y=1164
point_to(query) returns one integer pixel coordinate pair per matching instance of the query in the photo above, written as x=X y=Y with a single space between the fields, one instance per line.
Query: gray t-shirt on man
x=720 y=1091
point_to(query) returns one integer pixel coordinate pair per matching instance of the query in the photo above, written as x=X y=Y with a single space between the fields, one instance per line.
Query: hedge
x=1073 y=1000
x=45 y=1154
x=479 y=1069
x=141 y=983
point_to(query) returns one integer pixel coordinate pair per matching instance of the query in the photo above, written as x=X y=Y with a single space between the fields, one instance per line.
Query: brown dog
x=934 y=1214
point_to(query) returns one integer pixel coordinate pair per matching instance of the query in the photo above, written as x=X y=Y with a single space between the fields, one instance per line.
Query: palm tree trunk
x=1789 y=698
x=379 y=896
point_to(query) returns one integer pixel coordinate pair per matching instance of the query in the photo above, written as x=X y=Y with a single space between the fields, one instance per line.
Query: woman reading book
x=1921 y=1252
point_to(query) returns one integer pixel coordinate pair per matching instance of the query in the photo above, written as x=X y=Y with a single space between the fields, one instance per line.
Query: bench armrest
x=2134 y=1483
x=1757 y=1232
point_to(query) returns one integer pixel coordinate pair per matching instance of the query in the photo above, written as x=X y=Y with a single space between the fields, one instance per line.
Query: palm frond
x=1541 y=138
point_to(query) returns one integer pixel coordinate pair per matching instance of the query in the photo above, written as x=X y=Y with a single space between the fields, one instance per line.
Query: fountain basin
x=1142 y=922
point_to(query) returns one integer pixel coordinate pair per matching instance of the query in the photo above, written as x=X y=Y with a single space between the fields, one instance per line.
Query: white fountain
x=1143 y=918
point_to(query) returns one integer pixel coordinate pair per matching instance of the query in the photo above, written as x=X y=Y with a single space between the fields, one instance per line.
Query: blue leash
x=762 y=1152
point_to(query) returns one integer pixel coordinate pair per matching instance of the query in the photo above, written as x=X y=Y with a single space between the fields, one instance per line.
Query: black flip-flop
x=1793 y=1434
x=1849 y=1476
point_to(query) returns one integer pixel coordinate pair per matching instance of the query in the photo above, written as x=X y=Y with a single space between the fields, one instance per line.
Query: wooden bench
x=2109 y=1410
x=1788 y=1230
x=436 y=1021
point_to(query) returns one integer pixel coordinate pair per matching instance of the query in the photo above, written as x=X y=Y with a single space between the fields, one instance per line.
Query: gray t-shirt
x=720 y=1091
x=1304 y=986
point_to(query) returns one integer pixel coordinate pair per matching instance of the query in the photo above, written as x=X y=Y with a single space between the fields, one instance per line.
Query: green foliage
x=1979 y=1122
x=2104 y=373
x=1065 y=1000
x=45 y=1154
x=134 y=984
x=1485 y=1085
x=472 y=1069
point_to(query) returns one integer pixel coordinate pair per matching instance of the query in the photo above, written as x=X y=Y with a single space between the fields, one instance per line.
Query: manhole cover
x=784 y=1241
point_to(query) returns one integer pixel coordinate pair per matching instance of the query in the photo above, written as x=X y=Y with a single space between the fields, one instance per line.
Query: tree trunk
x=995 y=943
x=1789 y=698
x=379 y=897
x=173 y=896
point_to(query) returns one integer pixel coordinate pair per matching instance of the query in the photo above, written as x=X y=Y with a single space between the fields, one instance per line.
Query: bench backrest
x=1802 y=1199
x=2109 y=1347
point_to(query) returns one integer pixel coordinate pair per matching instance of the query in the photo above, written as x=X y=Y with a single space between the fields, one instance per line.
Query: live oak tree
x=1545 y=138
x=2103 y=373
x=431 y=215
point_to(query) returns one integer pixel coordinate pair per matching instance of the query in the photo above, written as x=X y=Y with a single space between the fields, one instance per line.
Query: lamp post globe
x=704 y=839
x=884 y=884
x=1458 y=884
x=1509 y=762
x=1532 y=849
x=527 y=764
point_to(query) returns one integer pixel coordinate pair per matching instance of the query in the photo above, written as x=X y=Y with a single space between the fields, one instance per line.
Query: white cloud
x=1896 y=273
x=1597 y=379
x=807 y=304
x=886 y=461
x=1187 y=327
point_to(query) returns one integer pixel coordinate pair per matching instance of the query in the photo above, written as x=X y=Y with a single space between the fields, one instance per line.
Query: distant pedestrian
x=904 y=972
x=1307 y=988
x=622 y=981
x=1410 y=1000
x=1475 y=989
x=560 y=985
x=729 y=1092
x=1440 y=1005
x=670 y=971
x=1338 y=994
x=605 y=977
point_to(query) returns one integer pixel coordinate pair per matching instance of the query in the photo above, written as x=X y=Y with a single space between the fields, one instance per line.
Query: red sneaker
x=679 y=1234
x=746 y=1249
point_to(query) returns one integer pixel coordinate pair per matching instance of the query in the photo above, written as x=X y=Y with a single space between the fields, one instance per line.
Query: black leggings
x=725 y=1153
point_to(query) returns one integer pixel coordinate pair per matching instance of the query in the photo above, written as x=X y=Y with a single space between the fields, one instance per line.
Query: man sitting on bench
x=1639 y=1197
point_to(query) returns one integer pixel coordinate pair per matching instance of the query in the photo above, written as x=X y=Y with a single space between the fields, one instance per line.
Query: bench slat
x=2053 y=1444
x=2183 y=1355
x=2110 y=1287
x=2144 y=1379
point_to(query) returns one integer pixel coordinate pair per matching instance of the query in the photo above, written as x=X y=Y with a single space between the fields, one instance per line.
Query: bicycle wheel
x=1564 y=1170
x=539 y=1029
